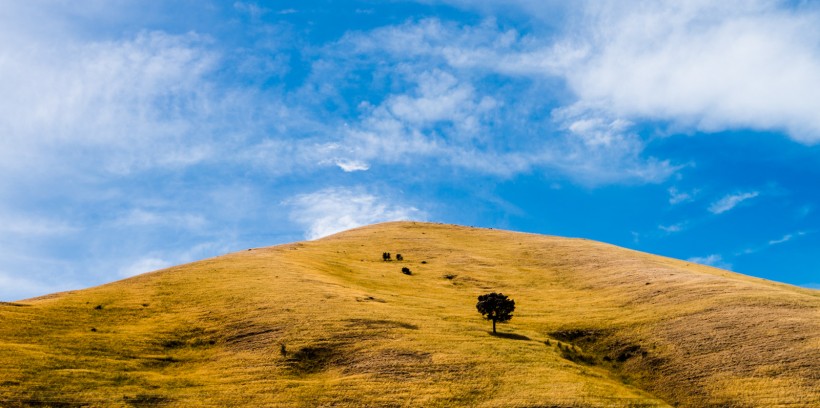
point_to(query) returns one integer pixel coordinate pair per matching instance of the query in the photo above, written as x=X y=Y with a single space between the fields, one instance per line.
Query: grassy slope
x=642 y=330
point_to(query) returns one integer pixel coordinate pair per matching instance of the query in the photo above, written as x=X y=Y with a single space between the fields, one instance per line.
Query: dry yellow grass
x=625 y=329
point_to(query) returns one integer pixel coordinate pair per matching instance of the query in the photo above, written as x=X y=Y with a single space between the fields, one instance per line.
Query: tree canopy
x=496 y=307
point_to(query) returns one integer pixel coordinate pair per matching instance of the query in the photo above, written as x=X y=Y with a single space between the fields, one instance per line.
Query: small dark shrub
x=423 y=262
x=283 y=350
x=548 y=343
x=94 y=329
x=399 y=257
x=98 y=307
x=385 y=256
x=405 y=270
x=449 y=276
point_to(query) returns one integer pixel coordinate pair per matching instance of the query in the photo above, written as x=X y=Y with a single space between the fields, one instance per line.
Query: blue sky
x=137 y=135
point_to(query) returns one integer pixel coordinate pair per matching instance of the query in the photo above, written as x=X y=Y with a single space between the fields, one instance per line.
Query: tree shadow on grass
x=511 y=336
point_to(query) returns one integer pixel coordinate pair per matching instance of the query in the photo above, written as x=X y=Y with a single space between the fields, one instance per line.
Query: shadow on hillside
x=511 y=336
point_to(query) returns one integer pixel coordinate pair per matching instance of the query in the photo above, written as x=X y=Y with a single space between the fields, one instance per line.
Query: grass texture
x=329 y=323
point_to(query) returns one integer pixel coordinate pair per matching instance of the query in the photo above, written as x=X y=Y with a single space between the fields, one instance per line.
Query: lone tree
x=496 y=307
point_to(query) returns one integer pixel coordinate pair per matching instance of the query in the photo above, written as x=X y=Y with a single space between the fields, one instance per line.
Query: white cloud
x=352 y=165
x=731 y=201
x=332 y=210
x=704 y=64
x=712 y=260
x=678 y=197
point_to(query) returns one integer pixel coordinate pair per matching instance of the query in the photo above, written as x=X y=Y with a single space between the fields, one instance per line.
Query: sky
x=138 y=135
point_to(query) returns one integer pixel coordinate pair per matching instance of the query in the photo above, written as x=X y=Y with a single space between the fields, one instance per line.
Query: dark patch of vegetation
x=94 y=329
x=611 y=350
x=496 y=307
x=98 y=307
x=283 y=350
x=170 y=344
x=385 y=256
x=405 y=270
x=146 y=400
x=450 y=276
x=578 y=335
x=576 y=355
x=424 y=262
x=399 y=257
x=311 y=359
x=630 y=351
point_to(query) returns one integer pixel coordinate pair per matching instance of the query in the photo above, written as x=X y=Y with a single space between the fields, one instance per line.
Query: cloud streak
x=731 y=201
x=714 y=260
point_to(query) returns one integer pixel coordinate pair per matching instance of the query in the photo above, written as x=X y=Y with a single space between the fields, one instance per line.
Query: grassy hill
x=328 y=323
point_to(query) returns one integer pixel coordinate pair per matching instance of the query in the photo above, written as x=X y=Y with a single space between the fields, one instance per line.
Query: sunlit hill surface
x=330 y=323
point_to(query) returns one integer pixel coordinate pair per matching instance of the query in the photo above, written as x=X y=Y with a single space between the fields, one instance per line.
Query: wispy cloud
x=774 y=242
x=731 y=201
x=678 y=197
x=671 y=228
x=332 y=210
x=786 y=238
x=712 y=260
x=455 y=114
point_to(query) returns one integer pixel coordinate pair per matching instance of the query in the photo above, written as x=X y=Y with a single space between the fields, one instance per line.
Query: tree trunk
x=493 y=326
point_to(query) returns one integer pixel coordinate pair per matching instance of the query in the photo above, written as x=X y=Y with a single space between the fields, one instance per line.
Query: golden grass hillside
x=329 y=323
